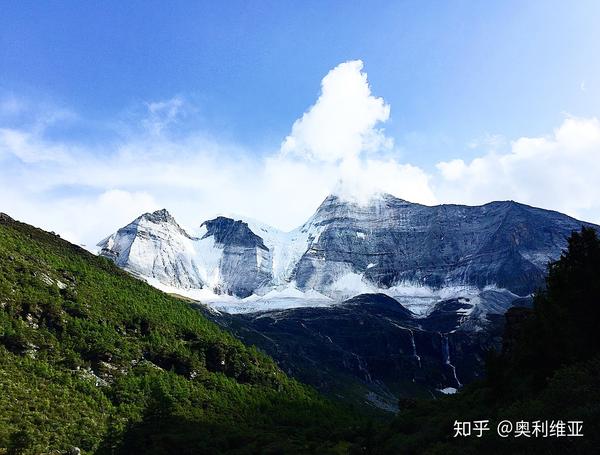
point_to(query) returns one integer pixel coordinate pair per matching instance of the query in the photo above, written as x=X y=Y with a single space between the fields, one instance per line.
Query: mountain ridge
x=384 y=242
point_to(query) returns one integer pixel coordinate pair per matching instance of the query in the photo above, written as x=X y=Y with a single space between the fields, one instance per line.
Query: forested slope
x=93 y=358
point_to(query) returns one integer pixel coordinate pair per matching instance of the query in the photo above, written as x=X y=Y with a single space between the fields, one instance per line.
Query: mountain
x=347 y=247
x=245 y=262
x=548 y=370
x=366 y=302
x=154 y=245
x=92 y=358
x=226 y=256
x=390 y=241
x=95 y=359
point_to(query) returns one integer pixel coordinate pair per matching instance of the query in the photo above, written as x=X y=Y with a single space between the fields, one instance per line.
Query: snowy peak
x=336 y=207
x=154 y=246
x=159 y=216
x=371 y=200
x=348 y=247
x=227 y=257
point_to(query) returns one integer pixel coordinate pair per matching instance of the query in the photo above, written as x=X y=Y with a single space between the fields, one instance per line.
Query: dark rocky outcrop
x=371 y=349
x=245 y=263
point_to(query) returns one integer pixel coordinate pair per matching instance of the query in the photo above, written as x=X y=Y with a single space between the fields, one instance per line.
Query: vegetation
x=93 y=358
x=549 y=370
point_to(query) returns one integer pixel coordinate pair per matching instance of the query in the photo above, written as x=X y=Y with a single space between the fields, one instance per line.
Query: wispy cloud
x=86 y=190
x=161 y=114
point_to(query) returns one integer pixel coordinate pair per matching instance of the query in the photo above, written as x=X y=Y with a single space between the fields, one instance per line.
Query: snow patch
x=351 y=284
x=286 y=247
x=276 y=299
x=448 y=390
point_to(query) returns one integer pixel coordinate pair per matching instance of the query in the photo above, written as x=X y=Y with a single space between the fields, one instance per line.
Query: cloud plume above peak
x=87 y=190
x=343 y=133
x=342 y=124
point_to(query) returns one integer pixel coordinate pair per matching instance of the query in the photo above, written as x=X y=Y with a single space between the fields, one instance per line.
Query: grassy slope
x=93 y=358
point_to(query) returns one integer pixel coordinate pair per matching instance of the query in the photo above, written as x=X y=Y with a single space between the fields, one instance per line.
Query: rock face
x=390 y=241
x=371 y=350
x=245 y=262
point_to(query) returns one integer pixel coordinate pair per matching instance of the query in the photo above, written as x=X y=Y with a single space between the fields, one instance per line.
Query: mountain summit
x=154 y=246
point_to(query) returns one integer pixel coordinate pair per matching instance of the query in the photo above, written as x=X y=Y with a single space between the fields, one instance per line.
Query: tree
x=568 y=311
x=21 y=442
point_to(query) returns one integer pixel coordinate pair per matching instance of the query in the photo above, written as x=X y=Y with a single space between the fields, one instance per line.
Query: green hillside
x=93 y=358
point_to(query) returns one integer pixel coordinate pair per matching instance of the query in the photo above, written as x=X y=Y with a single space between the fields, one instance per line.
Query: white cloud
x=81 y=219
x=86 y=192
x=28 y=147
x=163 y=113
x=87 y=217
x=341 y=134
x=490 y=141
x=559 y=171
x=342 y=123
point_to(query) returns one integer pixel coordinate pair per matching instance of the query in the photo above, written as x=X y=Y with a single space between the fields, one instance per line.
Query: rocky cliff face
x=371 y=350
x=390 y=241
x=245 y=263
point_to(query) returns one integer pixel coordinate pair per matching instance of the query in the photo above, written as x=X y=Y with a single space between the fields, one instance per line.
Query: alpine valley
x=368 y=302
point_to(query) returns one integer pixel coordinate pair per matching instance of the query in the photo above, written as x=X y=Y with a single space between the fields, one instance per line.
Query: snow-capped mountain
x=390 y=241
x=347 y=248
x=155 y=246
x=239 y=263
x=226 y=256
x=434 y=284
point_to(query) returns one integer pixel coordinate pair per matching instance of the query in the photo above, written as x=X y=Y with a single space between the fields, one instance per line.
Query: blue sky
x=462 y=79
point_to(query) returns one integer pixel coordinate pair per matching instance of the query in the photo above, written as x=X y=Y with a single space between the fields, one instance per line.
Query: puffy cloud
x=558 y=171
x=342 y=123
x=341 y=135
x=402 y=180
